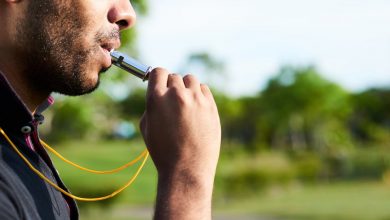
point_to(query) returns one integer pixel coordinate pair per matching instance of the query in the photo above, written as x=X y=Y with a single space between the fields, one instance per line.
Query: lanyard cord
x=90 y=170
x=67 y=193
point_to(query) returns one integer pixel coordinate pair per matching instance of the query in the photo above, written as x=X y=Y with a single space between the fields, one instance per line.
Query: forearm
x=182 y=130
x=184 y=196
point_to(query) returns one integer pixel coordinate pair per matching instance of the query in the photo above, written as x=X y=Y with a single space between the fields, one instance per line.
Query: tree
x=299 y=109
x=370 y=121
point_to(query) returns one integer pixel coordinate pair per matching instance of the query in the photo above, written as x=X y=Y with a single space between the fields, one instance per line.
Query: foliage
x=318 y=124
x=244 y=175
x=89 y=117
x=301 y=110
x=140 y=6
x=370 y=120
x=133 y=106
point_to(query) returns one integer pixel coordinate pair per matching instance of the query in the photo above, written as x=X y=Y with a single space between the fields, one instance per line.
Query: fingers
x=158 y=78
x=161 y=80
x=206 y=91
x=191 y=82
x=175 y=80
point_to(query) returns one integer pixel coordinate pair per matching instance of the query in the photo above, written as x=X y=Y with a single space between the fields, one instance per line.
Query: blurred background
x=303 y=93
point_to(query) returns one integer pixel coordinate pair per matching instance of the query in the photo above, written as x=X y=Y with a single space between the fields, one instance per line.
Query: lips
x=106 y=48
x=107 y=57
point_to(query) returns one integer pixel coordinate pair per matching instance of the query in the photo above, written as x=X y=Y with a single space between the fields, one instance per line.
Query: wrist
x=185 y=181
x=183 y=195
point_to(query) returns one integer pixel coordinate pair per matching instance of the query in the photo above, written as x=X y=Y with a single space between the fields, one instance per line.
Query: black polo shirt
x=23 y=194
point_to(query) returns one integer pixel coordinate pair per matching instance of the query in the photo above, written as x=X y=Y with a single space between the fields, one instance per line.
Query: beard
x=55 y=52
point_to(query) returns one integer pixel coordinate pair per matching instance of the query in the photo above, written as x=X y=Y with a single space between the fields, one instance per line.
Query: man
x=62 y=46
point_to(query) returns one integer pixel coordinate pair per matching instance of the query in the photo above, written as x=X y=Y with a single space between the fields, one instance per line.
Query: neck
x=30 y=96
x=10 y=61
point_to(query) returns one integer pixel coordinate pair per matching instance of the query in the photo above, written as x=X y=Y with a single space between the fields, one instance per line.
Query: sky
x=347 y=40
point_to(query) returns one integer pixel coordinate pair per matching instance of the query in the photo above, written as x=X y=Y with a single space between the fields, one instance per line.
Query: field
x=340 y=200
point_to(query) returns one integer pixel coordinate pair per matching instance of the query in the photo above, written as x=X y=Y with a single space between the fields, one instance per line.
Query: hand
x=182 y=131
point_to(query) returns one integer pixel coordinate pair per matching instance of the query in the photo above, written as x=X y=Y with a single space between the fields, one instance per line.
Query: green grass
x=347 y=200
x=107 y=156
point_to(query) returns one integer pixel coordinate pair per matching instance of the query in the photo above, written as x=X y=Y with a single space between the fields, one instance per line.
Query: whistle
x=130 y=65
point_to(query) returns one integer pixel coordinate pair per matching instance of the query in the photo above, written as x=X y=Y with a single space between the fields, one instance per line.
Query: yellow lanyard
x=144 y=154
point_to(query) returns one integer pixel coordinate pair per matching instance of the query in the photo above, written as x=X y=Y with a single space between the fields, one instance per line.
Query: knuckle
x=191 y=79
x=176 y=91
x=174 y=76
x=157 y=72
x=179 y=95
x=189 y=76
x=157 y=93
x=198 y=98
x=154 y=96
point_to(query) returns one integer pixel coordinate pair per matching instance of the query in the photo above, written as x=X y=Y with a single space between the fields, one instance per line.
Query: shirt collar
x=14 y=114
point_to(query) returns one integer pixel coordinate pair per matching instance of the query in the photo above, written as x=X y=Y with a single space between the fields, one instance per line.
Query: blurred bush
x=369 y=164
x=244 y=175
x=309 y=167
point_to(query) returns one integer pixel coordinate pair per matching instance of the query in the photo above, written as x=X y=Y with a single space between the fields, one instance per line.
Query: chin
x=90 y=89
x=92 y=86
x=82 y=90
x=81 y=86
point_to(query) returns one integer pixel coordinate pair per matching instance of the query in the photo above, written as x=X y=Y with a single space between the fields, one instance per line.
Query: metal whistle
x=130 y=65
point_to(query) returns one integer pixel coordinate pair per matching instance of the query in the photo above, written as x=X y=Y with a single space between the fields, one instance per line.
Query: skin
x=59 y=50
x=182 y=131
x=62 y=49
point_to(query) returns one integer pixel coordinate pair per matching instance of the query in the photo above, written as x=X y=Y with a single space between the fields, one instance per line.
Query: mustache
x=104 y=36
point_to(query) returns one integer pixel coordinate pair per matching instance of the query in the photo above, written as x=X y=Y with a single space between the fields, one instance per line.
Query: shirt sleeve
x=8 y=209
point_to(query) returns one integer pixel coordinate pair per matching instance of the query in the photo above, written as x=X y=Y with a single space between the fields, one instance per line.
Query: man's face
x=65 y=43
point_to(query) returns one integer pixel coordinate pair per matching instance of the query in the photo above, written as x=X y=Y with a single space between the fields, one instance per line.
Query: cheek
x=93 y=64
x=95 y=13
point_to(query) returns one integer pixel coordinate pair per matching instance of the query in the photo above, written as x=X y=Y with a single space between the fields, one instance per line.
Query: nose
x=122 y=13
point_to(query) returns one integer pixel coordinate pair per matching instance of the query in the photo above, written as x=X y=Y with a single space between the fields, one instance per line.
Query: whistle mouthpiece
x=130 y=65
